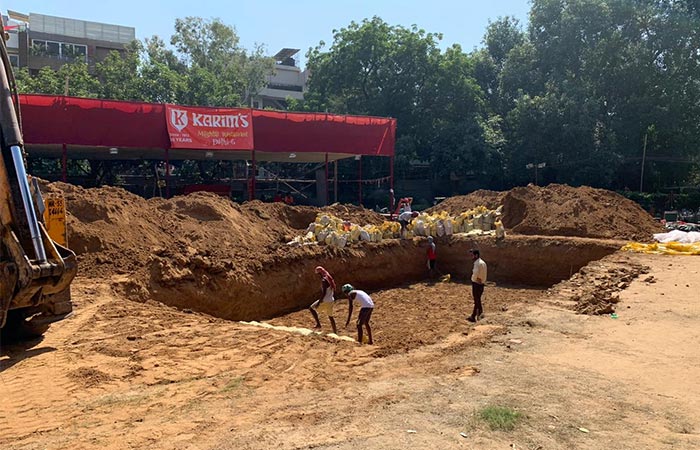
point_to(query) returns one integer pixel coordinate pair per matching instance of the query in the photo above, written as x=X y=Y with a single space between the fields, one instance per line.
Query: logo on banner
x=191 y=127
x=178 y=119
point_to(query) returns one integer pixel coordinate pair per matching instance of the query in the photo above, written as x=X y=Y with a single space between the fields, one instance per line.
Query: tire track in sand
x=34 y=387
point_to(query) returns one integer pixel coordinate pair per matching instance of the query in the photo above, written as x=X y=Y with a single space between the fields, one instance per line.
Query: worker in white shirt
x=405 y=218
x=478 y=282
x=366 y=308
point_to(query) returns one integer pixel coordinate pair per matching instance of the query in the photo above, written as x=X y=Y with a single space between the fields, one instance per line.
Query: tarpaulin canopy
x=108 y=129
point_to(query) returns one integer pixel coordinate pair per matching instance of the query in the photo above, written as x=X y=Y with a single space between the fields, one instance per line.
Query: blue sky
x=297 y=24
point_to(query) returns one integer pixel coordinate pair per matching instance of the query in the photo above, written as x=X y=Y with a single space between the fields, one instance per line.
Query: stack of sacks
x=390 y=230
x=331 y=230
x=474 y=221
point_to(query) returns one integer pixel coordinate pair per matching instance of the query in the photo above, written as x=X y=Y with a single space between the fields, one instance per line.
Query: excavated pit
x=291 y=284
x=205 y=253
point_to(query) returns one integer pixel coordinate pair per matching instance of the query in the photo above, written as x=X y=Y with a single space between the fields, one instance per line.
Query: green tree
x=501 y=37
x=119 y=74
x=46 y=81
x=378 y=69
x=219 y=71
x=586 y=83
x=78 y=81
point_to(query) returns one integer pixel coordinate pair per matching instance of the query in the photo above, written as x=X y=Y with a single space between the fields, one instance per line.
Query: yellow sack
x=670 y=248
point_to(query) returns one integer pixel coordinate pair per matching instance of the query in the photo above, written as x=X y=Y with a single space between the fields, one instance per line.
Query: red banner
x=209 y=128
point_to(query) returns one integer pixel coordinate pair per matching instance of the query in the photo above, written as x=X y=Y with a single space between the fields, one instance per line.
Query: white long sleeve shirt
x=479 y=271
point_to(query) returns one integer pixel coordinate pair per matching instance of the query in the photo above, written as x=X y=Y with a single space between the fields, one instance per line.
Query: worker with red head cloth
x=325 y=304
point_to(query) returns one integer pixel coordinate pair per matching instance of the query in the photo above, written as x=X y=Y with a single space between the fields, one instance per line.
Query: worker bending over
x=366 y=308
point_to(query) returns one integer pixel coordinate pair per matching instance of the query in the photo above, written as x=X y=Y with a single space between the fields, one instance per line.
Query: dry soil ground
x=121 y=374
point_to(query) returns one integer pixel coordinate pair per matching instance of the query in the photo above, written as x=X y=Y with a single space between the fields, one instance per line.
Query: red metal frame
x=167 y=173
x=326 y=181
x=251 y=193
x=64 y=163
x=359 y=179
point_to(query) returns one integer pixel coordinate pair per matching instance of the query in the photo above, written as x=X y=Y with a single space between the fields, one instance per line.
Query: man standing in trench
x=431 y=253
x=478 y=282
x=325 y=304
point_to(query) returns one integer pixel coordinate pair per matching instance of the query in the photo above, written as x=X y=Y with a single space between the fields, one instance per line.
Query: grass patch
x=233 y=385
x=500 y=418
x=111 y=400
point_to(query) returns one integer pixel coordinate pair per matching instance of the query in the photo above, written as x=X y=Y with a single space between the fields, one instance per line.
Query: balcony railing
x=286 y=87
x=65 y=58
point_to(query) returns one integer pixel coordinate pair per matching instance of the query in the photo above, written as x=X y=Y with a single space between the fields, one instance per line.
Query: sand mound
x=355 y=214
x=458 y=204
x=112 y=228
x=109 y=218
x=198 y=248
x=561 y=210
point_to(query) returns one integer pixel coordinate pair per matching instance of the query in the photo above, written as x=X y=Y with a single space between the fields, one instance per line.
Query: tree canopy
x=582 y=89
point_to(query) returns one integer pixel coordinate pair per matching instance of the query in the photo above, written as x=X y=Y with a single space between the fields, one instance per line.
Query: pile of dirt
x=595 y=288
x=353 y=213
x=114 y=231
x=561 y=210
x=460 y=203
x=201 y=251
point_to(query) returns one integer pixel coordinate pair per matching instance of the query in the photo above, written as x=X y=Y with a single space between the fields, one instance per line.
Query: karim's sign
x=209 y=128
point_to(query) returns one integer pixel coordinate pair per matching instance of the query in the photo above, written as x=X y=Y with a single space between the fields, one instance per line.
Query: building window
x=53 y=48
x=38 y=47
x=60 y=50
x=14 y=60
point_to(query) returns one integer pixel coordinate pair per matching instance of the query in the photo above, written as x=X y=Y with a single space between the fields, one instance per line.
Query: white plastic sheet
x=684 y=237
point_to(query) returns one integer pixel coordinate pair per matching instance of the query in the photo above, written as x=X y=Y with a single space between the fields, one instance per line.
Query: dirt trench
x=290 y=284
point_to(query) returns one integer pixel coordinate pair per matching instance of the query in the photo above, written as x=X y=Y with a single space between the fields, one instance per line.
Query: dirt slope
x=203 y=251
x=113 y=228
x=583 y=211
x=561 y=210
x=460 y=203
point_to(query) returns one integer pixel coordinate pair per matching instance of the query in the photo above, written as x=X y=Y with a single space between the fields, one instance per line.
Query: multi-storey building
x=38 y=40
x=286 y=81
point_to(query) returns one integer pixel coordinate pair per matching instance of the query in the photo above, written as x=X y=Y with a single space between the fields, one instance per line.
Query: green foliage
x=608 y=70
x=208 y=67
x=660 y=201
x=119 y=75
x=221 y=73
x=580 y=89
x=377 y=69
x=500 y=418
x=501 y=37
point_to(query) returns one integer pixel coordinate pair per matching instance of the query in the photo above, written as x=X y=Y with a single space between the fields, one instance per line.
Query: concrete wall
x=287 y=75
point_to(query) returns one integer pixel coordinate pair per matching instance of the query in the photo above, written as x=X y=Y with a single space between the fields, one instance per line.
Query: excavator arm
x=35 y=272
